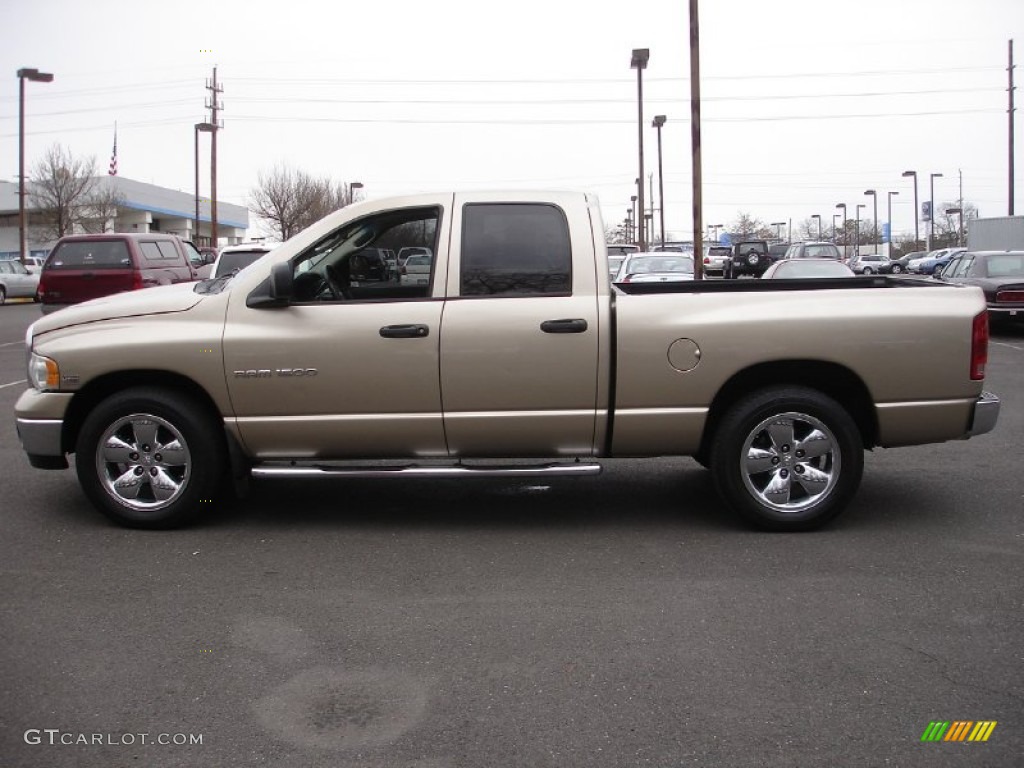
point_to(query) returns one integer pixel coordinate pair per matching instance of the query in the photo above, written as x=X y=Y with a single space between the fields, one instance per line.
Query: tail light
x=41 y=288
x=405 y=271
x=707 y=260
x=979 y=346
x=1010 y=296
x=137 y=280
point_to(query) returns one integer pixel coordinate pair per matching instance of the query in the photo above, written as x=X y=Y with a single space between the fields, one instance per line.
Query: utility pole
x=697 y=180
x=214 y=106
x=1010 y=113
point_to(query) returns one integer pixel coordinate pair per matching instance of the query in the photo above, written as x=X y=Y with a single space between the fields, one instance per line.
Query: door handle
x=404 y=331
x=564 y=326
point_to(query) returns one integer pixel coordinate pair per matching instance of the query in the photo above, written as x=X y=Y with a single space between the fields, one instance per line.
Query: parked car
x=914 y=265
x=235 y=257
x=416 y=270
x=655 y=267
x=715 y=258
x=928 y=266
x=796 y=269
x=83 y=267
x=999 y=274
x=16 y=282
x=749 y=257
x=868 y=263
x=621 y=249
x=899 y=266
x=412 y=250
x=813 y=251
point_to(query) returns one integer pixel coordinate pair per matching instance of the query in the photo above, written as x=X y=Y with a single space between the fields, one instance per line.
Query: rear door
x=520 y=335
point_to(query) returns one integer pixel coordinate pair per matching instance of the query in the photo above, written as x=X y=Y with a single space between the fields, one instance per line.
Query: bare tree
x=289 y=200
x=747 y=227
x=101 y=209
x=61 y=188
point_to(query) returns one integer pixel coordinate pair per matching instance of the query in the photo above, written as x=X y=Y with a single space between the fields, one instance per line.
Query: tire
x=127 y=436
x=868 y=271
x=747 y=459
x=3 y=295
x=897 y=269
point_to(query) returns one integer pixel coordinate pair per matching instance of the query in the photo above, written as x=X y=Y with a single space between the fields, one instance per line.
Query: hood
x=148 y=301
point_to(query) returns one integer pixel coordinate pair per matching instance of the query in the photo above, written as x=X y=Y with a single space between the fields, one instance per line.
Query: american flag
x=113 y=157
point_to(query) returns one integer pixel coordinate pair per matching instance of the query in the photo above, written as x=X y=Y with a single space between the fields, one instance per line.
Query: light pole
x=874 y=223
x=632 y=218
x=843 y=207
x=834 y=217
x=818 y=217
x=960 y=227
x=778 y=231
x=204 y=128
x=931 y=210
x=890 y=223
x=659 y=120
x=917 y=215
x=36 y=77
x=856 y=239
x=639 y=63
x=352 y=190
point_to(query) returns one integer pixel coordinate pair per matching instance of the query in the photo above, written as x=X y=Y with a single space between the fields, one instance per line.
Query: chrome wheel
x=791 y=461
x=896 y=269
x=143 y=462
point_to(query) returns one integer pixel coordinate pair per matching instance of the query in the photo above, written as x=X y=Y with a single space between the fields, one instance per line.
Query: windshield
x=1006 y=265
x=236 y=260
x=94 y=254
x=639 y=265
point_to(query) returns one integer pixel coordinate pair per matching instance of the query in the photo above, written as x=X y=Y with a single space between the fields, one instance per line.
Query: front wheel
x=787 y=458
x=897 y=269
x=149 y=458
x=868 y=271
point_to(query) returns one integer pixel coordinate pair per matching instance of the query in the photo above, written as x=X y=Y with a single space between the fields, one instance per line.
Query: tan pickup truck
x=517 y=346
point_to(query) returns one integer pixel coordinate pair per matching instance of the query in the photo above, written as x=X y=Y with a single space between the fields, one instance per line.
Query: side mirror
x=282 y=282
x=209 y=258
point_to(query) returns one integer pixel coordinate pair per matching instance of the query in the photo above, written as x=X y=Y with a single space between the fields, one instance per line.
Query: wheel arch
x=832 y=379
x=108 y=384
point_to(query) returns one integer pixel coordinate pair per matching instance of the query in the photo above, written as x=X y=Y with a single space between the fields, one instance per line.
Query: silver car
x=655 y=267
x=16 y=282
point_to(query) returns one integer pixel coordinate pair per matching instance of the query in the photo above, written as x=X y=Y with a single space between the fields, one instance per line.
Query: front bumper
x=986 y=413
x=41 y=440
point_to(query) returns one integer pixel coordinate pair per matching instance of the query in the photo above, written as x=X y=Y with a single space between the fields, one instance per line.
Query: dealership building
x=140 y=208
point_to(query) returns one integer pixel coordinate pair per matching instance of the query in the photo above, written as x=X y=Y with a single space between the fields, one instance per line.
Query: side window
x=150 y=251
x=515 y=249
x=355 y=261
x=168 y=251
x=962 y=267
x=5 y=268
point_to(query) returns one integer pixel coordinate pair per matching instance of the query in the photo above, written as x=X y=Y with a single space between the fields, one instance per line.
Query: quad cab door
x=520 y=333
x=349 y=369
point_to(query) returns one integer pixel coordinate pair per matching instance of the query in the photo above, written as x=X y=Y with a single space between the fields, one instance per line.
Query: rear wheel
x=787 y=458
x=149 y=458
x=3 y=295
x=897 y=269
x=868 y=271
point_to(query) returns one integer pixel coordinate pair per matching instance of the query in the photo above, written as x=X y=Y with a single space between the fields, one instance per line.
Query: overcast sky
x=805 y=103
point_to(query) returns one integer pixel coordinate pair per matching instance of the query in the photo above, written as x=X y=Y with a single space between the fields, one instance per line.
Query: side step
x=416 y=470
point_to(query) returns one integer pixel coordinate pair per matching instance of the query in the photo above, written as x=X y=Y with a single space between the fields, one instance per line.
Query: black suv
x=749 y=257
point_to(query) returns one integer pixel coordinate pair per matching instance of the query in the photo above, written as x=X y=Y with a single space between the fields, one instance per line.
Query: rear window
x=234 y=260
x=97 y=254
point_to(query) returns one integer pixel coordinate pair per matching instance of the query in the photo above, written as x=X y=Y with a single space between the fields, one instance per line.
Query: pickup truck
x=517 y=347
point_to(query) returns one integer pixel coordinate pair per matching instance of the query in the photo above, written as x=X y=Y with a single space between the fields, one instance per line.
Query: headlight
x=43 y=373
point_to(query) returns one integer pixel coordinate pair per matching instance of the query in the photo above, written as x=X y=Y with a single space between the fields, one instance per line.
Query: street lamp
x=659 y=120
x=890 y=222
x=843 y=207
x=834 y=227
x=352 y=190
x=874 y=223
x=36 y=77
x=960 y=227
x=204 y=128
x=931 y=210
x=917 y=216
x=632 y=214
x=856 y=239
x=639 y=63
x=818 y=217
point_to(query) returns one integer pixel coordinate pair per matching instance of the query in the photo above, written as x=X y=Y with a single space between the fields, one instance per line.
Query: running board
x=415 y=470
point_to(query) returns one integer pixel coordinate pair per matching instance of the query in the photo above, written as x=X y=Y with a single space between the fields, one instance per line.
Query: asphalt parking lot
x=621 y=620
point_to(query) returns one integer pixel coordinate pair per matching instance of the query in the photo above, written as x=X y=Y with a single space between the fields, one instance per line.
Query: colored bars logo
x=958 y=730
